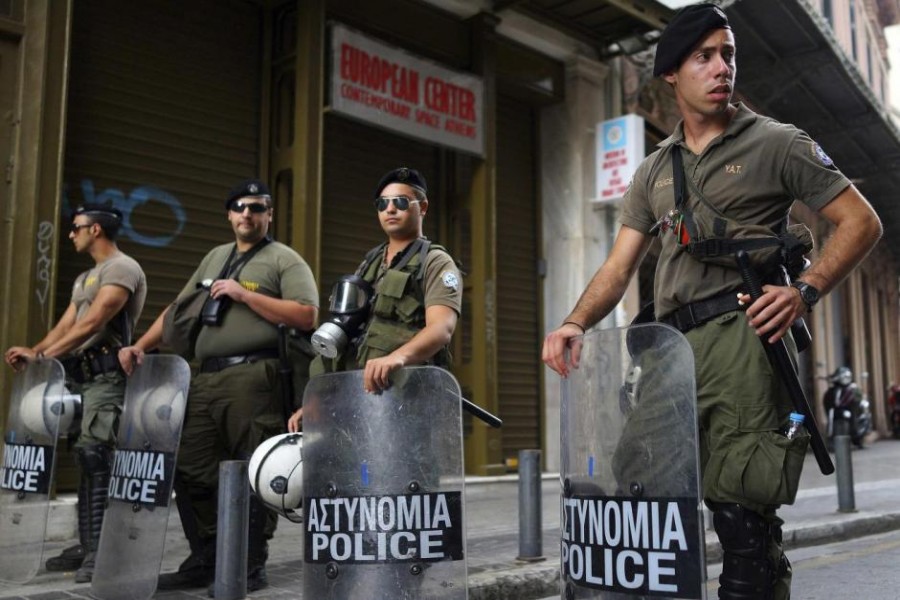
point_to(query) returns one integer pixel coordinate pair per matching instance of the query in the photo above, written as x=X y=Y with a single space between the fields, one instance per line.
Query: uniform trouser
x=742 y=403
x=228 y=414
x=102 y=399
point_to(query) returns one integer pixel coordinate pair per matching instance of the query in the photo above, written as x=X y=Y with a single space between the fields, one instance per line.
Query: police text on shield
x=384 y=529
x=26 y=468
x=645 y=546
x=141 y=476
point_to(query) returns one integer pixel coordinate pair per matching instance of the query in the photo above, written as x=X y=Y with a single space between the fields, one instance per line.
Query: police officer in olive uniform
x=418 y=291
x=742 y=173
x=234 y=402
x=107 y=301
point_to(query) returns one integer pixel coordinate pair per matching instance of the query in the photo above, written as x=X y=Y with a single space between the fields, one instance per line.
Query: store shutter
x=356 y=156
x=518 y=305
x=163 y=118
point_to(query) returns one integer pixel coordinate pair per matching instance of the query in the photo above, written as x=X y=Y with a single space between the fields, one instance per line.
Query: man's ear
x=669 y=77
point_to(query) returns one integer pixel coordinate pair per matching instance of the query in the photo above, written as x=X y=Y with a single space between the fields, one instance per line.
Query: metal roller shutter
x=356 y=156
x=517 y=279
x=163 y=118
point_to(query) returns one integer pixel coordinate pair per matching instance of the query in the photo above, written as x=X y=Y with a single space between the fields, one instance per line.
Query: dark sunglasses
x=400 y=202
x=255 y=207
x=75 y=227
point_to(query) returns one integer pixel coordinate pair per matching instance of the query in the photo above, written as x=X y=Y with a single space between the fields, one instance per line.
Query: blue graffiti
x=139 y=196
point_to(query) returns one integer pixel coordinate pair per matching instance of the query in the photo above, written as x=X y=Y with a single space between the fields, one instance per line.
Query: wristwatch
x=808 y=293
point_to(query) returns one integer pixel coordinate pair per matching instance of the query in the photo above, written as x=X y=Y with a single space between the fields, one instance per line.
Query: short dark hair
x=108 y=218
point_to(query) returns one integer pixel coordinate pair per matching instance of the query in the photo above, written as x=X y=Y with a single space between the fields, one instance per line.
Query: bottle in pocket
x=794 y=427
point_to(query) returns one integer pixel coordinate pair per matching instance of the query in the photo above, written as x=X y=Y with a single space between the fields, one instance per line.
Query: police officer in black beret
x=417 y=286
x=743 y=172
x=255 y=284
x=107 y=301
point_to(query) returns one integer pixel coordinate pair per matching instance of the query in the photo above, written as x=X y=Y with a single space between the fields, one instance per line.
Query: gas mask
x=349 y=309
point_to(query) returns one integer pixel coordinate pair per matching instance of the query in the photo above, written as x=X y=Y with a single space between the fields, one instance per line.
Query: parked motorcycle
x=894 y=407
x=848 y=407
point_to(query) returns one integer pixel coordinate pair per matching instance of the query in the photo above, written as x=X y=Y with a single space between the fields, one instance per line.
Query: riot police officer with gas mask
x=401 y=306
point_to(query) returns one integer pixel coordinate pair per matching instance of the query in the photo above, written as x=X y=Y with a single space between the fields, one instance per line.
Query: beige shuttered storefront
x=160 y=128
x=518 y=308
x=356 y=156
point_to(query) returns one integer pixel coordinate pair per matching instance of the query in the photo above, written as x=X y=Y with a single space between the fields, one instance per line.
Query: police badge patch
x=820 y=154
x=450 y=280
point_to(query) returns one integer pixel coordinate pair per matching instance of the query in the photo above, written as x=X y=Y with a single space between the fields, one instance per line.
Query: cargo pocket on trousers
x=765 y=467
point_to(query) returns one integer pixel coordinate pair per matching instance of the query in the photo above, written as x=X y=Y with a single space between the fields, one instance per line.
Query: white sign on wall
x=620 y=149
x=396 y=90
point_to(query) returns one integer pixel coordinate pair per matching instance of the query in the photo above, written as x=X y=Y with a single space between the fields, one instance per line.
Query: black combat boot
x=72 y=557
x=95 y=464
x=199 y=569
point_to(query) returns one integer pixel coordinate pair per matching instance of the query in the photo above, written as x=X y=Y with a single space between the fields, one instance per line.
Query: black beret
x=251 y=187
x=410 y=177
x=93 y=210
x=686 y=29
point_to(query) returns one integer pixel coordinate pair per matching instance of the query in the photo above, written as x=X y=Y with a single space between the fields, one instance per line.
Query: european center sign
x=620 y=149
x=391 y=88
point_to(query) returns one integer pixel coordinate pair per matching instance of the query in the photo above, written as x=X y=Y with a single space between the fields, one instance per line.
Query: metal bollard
x=844 y=468
x=233 y=521
x=530 y=506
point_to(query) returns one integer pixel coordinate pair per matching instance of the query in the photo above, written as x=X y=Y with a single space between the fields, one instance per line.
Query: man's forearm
x=847 y=247
x=599 y=298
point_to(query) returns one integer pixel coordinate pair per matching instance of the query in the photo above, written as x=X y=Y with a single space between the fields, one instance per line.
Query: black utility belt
x=218 y=363
x=697 y=313
x=95 y=361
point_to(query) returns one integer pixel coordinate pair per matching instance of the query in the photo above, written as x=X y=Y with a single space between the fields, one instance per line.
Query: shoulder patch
x=821 y=156
x=450 y=279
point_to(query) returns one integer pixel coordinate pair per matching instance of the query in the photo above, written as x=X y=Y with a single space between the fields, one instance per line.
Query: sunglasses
x=400 y=202
x=255 y=207
x=75 y=227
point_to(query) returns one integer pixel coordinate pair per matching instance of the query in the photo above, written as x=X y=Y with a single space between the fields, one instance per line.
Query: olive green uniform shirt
x=120 y=270
x=752 y=173
x=441 y=280
x=276 y=271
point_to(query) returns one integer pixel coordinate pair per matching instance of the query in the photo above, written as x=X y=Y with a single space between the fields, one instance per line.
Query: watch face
x=809 y=294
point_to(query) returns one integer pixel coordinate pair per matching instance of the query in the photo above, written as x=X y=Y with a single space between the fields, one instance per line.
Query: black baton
x=475 y=410
x=284 y=373
x=778 y=356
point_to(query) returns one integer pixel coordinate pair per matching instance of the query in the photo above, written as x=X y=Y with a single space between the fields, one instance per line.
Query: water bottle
x=794 y=427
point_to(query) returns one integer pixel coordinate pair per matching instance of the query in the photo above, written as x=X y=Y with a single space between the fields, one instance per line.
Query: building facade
x=159 y=107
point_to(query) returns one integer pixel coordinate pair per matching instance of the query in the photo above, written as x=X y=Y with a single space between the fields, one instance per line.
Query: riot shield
x=140 y=485
x=631 y=502
x=29 y=459
x=383 y=488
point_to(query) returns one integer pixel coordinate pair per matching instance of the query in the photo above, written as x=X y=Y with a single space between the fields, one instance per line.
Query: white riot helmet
x=276 y=474
x=49 y=415
x=161 y=412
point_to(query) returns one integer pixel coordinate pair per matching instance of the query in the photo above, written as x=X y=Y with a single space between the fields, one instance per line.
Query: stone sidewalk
x=492 y=540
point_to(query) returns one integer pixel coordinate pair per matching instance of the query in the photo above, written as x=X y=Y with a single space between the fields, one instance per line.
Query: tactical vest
x=398 y=308
x=710 y=236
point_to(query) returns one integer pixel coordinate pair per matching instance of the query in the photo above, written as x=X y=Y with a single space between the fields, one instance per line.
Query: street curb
x=530 y=581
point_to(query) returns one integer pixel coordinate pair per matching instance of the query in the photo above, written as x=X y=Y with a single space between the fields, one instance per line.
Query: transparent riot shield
x=383 y=488
x=631 y=502
x=140 y=486
x=29 y=459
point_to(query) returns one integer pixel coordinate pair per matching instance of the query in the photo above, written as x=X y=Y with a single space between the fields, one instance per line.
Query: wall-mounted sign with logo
x=396 y=90
x=620 y=149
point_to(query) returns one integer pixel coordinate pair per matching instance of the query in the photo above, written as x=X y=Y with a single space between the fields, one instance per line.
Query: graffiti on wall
x=139 y=197
x=44 y=263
